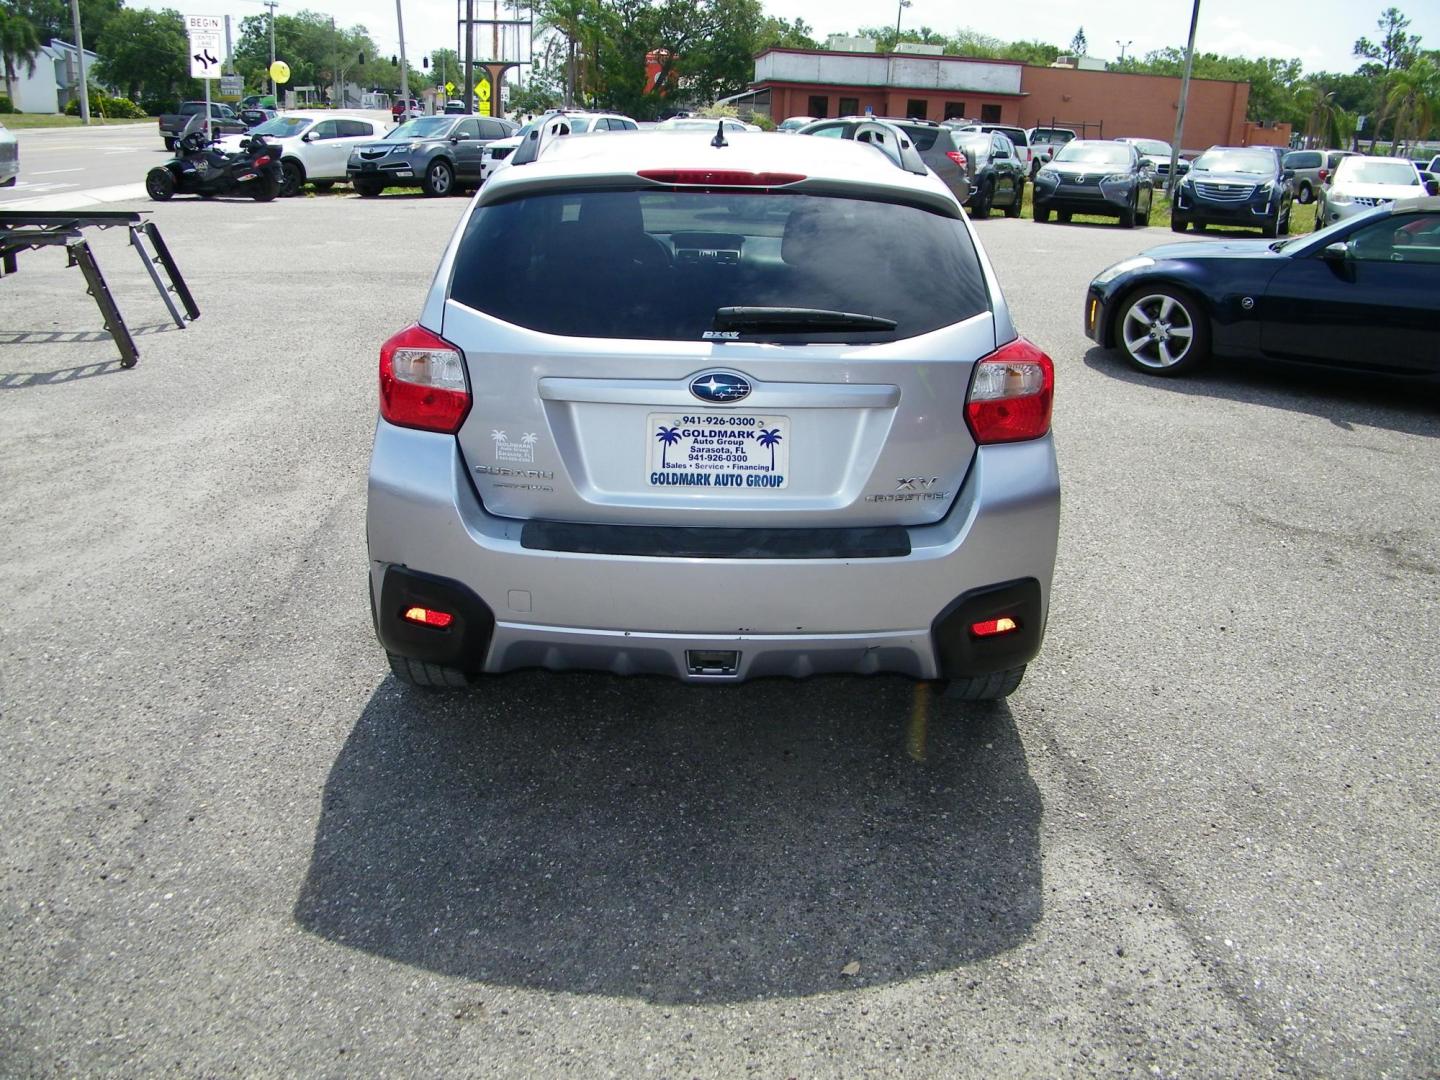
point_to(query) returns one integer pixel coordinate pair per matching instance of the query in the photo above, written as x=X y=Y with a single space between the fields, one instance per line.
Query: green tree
x=1396 y=48
x=1078 y=44
x=1413 y=99
x=1326 y=121
x=783 y=34
x=19 y=45
x=51 y=18
x=145 y=53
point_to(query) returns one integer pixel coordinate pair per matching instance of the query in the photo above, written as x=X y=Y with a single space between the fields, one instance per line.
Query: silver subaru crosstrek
x=714 y=408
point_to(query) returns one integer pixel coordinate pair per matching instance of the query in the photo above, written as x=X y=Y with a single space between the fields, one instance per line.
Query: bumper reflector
x=991 y=627
x=429 y=617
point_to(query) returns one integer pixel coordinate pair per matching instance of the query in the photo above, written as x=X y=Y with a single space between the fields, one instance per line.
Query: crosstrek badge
x=743 y=451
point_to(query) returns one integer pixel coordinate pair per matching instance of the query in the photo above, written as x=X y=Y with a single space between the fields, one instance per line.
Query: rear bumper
x=647 y=614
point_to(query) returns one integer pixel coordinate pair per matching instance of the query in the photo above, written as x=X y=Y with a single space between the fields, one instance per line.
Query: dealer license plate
x=730 y=451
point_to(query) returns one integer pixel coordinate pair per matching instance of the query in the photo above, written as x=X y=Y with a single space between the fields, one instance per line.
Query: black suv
x=1235 y=185
x=938 y=145
x=997 y=173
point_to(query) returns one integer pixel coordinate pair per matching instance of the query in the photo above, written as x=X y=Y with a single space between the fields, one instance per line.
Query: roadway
x=1201 y=840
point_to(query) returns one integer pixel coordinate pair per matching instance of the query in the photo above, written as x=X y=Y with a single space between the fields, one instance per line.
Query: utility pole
x=404 y=74
x=80 y=60
x=469 y=56
x=1180 y=111
x=272 y=5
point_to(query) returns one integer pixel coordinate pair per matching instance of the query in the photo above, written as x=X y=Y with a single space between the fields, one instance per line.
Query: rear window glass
x=658 y=264
x=1302 y=160
x=922 y=135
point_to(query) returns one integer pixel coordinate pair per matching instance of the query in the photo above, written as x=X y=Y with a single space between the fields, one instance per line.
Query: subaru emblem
x=720 y=386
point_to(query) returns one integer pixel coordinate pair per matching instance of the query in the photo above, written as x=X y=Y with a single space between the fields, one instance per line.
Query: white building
x=55 y=81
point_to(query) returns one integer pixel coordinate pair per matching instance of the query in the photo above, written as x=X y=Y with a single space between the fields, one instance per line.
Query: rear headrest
x=612 y=211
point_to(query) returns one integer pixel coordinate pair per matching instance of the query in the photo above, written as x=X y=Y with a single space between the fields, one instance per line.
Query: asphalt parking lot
x=1202 y=839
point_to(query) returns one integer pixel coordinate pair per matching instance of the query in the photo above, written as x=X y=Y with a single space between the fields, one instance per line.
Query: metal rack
x=24 y=230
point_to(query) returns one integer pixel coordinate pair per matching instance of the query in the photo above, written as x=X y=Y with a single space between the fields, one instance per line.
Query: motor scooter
x=200 y=169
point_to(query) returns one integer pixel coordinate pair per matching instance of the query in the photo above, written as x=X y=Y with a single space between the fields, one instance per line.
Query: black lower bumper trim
x=961 y=654
x=463 y=644
x=685 y=542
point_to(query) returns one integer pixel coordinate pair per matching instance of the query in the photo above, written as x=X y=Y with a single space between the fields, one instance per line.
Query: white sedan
x=314 y=146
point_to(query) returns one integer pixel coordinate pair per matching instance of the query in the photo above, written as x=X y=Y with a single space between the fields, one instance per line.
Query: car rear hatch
x=717 y=358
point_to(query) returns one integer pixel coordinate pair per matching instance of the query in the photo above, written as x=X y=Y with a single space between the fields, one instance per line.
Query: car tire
x=1127 y=216
x=292 y=178
x=1179 y=311
x=1000 y=684
x=439 y=179
x=170 y=145
x=1042 y=214
x=1062 y=216
x=1144 y=219
x=1013 y=210
x=368 y=189
x=265 y=189
x=160 y=184
x=1271 y=228
x=426 y=676
x=322 y=185
x=1305 y=194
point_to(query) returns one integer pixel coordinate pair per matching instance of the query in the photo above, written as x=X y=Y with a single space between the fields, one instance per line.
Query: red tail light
x=1011 y=393
x=422 y=616
x=721 y=177
x=991 y=627
x=422 y=382
x=261 y=161
x=957 y=157
x=1324 y=173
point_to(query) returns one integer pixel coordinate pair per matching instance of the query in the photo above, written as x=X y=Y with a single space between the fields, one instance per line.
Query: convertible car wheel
x=1163 y=331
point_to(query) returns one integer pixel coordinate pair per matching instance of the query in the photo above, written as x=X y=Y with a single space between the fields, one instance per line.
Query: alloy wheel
x=1158 y=331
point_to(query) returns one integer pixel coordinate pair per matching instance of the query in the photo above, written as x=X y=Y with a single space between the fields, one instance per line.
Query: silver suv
x=714 y=407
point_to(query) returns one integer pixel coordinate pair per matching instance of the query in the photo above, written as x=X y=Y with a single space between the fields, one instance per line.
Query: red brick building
x=1107 y=104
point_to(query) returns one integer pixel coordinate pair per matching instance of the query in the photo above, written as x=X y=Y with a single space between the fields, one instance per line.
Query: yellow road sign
x=450 y=88
x=482 y=89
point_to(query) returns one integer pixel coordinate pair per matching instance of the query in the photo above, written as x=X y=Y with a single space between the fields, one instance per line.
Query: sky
x=1320 y=33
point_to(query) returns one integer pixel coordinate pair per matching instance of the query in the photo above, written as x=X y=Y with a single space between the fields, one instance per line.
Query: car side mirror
x=309 y=136
x=454 y=139
x=1337 y=252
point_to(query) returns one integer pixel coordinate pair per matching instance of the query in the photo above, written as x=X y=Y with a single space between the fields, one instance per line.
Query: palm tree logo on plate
x=668 y=437
x=499 y=437
x=770 y=437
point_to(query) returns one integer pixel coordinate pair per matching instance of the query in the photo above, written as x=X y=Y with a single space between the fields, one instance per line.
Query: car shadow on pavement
x=1346 y=399
x=643 y=838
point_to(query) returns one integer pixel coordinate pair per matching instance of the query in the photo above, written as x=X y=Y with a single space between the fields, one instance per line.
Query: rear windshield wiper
x=797 y=318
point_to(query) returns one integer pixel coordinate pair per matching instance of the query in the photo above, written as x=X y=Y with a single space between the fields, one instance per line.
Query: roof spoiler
x=893 y=143
x=543 y=134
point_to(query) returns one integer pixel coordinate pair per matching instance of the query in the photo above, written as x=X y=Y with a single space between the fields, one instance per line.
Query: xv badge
x=916 y=483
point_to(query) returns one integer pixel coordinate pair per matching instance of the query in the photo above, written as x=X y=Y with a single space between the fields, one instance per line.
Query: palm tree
x=1326 y=123
x=569 y=19
x=498 y=436
x=530 y=439
x=668 y=437
x=1413 y=98
x=20 y=45
x=769 y=437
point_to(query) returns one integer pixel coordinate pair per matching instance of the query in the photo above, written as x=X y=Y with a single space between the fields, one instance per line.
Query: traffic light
x=394 y=61
x=425 y=62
